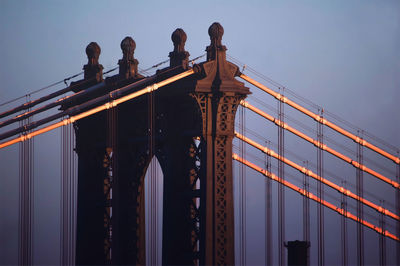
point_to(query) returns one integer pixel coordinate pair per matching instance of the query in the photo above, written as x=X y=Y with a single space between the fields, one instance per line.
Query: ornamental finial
x=216 y=31
x=128 y=47
x=93 y=52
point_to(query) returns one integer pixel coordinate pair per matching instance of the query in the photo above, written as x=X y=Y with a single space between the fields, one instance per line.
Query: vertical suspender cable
x=72 y=192
x=344 y=226
x=306 y=208
x=20 y=201
x=152 y=177
x=114 y=161
x=75 y=192
x=398 y=210
x=240 y=186
x=26 y=188
x=61 y=201
x=68 y=197
x=320 y=163
x=281 y=191
x=62 y=186
x=360 y=213
x=242 y=191
x=268 y=212
x=31 y=193
x=64 y=199
x=68 y=176
x=382 y=238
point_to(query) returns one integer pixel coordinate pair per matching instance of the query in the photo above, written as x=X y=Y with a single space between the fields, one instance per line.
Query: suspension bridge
x=156 y=168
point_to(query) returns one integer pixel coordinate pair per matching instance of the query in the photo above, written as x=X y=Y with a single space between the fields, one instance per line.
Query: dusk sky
x=342 y=55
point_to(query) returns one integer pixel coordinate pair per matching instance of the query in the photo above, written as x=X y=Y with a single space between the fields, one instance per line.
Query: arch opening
x=153 y=187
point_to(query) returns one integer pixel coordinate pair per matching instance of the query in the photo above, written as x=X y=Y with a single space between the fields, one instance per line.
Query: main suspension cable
x=314 y=166
x=41 y=89
x=321 y=145
x=328 y=139
x=317 y=177
x=315 y=198
x=314 y=105
x=74 y=110
x=321 y=120
x=30 y=104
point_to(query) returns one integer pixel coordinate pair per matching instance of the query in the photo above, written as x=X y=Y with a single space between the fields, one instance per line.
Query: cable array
x=321 y=145
x=358 y=163
x=69 y=182
x=281 y=188
x=320 y=194
x=318 y=177
x=242 y=196
x=314 y=105
x=315 y=198
x=92 y=111
x=68 y=199
x=327 y=139
x=26 y=201
x=42 y=89
x=268 y=213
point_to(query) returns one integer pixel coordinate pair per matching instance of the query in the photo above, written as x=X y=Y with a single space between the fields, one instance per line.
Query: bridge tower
x=189 y=126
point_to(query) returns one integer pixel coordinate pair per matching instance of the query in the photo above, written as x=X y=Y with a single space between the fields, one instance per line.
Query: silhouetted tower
x=189 y=126
x=298 y=252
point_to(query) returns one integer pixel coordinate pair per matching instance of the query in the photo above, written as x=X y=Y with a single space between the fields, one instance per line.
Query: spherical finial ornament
x=179 y=37
x=128 y=47
x=216 y=31
x=93 y=52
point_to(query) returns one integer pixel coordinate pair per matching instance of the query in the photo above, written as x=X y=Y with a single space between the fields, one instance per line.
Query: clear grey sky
x=342 y=55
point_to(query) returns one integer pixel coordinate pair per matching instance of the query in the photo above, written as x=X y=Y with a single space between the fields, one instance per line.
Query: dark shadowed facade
x=189 y=126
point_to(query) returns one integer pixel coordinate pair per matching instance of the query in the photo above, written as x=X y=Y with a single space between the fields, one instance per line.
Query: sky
x=342 y=55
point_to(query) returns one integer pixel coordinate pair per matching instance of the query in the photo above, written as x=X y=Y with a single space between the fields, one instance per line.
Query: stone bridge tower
x=189 y=126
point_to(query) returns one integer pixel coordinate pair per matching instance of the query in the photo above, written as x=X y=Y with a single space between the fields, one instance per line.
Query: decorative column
x=179 y=57
x=128 y=64
x=93 y=70
x=177 y=124
x=130 y=147
x=218 y=94
x=91 y=149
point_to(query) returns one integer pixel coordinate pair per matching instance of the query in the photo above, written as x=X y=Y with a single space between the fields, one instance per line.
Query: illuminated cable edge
x=319 y=119
x=23 y=137
x=322 y=146
x=317 y=177
x=315 y=198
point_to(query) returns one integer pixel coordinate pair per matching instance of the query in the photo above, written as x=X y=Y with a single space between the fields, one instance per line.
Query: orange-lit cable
x=320 y=145
x=315 y=176
x=320 y=119
x=100 y=108
x=306 y=193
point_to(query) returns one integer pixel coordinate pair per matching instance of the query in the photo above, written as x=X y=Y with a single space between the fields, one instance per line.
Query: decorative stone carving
x=128 y=65
x=128 y=47
x=179 y=56
x=218 y=94
x=218 y=73
x=215 y=31
x=93 y=52
x=93 y=69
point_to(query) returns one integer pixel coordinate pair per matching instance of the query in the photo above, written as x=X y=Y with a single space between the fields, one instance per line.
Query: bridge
x=155 y=168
